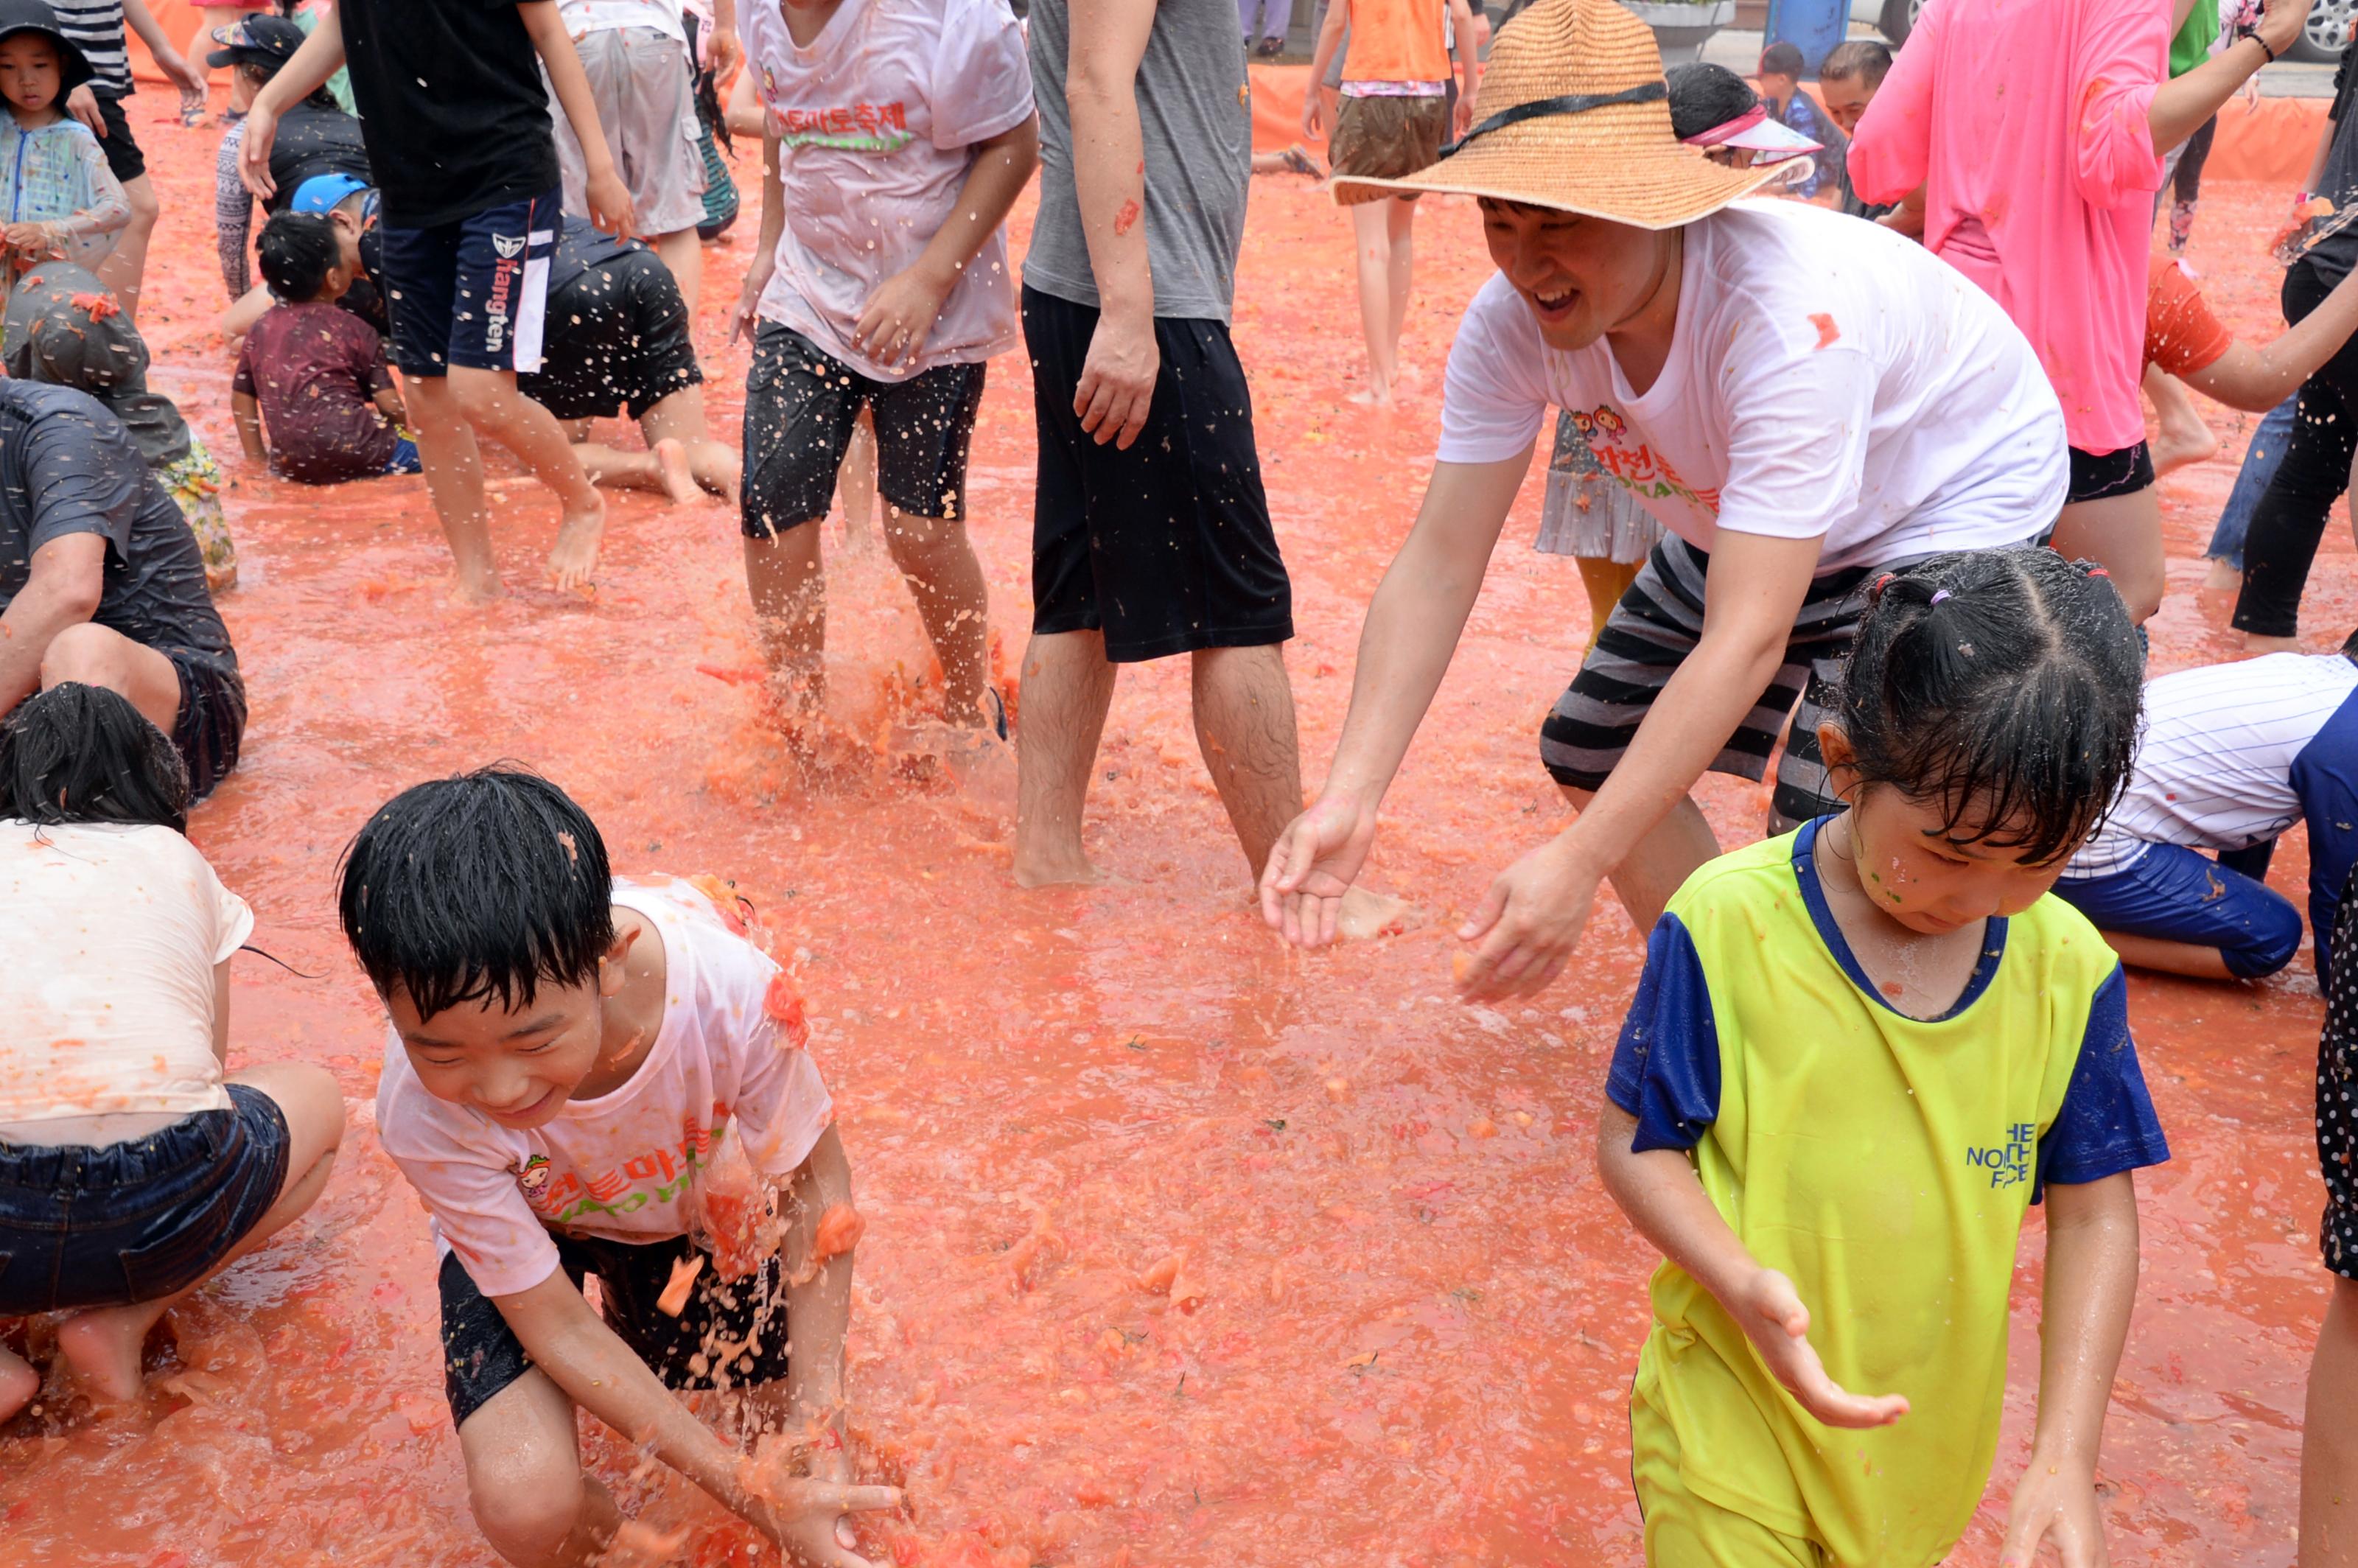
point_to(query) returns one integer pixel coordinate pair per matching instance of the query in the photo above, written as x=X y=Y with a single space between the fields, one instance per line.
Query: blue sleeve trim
x=1666 y=1064
x=2106 y=1124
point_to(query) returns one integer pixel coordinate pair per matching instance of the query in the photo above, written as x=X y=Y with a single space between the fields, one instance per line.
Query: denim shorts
x=139 y=1220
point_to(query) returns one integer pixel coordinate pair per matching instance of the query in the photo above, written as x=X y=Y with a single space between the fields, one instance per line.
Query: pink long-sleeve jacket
x=2026 y=122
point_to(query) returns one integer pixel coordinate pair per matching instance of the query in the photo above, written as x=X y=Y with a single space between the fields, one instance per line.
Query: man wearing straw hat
x=1801 y=399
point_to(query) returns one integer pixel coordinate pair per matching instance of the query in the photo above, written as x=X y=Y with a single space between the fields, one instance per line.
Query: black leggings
x=2187 y=183
x=2290 y=517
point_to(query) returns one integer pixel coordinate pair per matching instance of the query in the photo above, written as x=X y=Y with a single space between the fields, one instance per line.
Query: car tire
x=2328 y=19
x=1899 y=16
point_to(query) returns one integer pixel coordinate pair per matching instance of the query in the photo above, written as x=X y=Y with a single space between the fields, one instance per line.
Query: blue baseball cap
x=322 y=191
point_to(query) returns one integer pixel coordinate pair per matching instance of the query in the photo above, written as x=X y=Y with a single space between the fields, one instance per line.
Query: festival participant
x=2185 y=343
x=879 y=283
x=456 y=119
x=570 y=1059
x=2231 y=755
x=1802 y=400
x=133 y=1167
x=317 y=374
x=2329 y=1451
x=635 y=55
x=1883 y=1003
x=63 y=329
x=1391 y=120
x=1780 y=91
x=315 y=137
x=101 y=582
x=2037 y=134
x=1848 y=79
x=96 y=27
x=55 y=188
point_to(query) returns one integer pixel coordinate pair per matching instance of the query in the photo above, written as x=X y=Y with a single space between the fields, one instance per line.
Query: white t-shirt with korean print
x=620 y=1165
x=876 y=122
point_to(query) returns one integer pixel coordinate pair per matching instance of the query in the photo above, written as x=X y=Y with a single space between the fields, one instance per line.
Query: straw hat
x=1572 y=115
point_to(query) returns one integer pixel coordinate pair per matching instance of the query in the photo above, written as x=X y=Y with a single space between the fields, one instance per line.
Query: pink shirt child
x=2026 y=122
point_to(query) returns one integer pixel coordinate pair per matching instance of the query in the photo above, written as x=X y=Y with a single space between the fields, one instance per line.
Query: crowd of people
x=1846 y=366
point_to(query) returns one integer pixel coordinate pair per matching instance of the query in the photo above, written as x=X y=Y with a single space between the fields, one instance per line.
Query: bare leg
x=855 y=483
x=102 y=1345
x=683 y=252
x=1068 y=686
x=2169 y=957
x=788 y=584
x=2182 y=437
x=663 y=467
x=454 y=478
x=491 y=403
x=122 y=268
x=2124 y=534
x=97 y=656
x=937 y=559
x=18 y=1383
x=2329 y=1451
x=1662 y=861
x=1244 y=725
x=531 y=1498
x=1371 y=231
x=680 y=417
x=1400 y=220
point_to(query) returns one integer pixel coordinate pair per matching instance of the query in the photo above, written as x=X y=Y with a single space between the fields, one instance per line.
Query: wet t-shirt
x=314 y=369
x=622 y=1166
x=312 y=140
x=1195 y=112
x=67 y=466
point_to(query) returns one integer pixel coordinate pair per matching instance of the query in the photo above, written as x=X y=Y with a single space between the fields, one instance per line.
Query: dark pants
x=2290 y=518
x=2186 y=185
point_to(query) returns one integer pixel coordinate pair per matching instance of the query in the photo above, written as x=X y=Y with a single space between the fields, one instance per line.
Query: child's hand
x=1310 y=108
x=609 y=204
x=745 y=316
x=804 y=1516
x=1770 y=1313
x=30 y=239
x=83 y=104
x=2054 y=1502
x=894 y=324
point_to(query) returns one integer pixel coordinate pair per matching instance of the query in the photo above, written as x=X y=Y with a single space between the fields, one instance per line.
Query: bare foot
x=1366 y=914
x=718 y=469
x=678 y=481
x=471 y=591
x=2220 y=575
x=1070 y=869
x=1375 y=394
x=2180 y=442
x=18 y=1383
x=103 y=1347
x=575 y=555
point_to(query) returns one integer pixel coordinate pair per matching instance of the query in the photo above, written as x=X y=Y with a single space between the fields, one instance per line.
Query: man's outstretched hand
x=1770 y=1313
x=1528 y=923
x=1312 y=866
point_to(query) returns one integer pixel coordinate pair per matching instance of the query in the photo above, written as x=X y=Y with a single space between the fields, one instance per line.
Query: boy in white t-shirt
x=569 y=1060
x=1803 y=402
x=895 y=137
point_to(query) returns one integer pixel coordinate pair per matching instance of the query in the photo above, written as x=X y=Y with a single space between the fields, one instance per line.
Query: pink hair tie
x=1939 y=595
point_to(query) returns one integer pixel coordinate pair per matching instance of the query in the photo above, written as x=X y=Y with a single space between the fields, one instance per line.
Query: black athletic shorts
x=617 y=338
x=121 y=150
x=472 y=291
x=2125 y=473
x=211 y=725
x=1165 y=548
x=728 y=1335
x=800 y=406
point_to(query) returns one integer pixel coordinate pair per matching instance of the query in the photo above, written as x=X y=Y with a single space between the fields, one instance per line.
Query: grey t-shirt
x=1196 y=112
x=67 y=465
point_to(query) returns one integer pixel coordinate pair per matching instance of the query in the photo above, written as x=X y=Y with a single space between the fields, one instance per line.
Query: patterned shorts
x=195 y=484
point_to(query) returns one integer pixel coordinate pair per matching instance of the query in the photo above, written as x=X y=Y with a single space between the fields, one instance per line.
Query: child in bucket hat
x=57 y=195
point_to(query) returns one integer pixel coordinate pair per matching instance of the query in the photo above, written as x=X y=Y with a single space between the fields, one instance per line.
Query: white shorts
x=646 y=106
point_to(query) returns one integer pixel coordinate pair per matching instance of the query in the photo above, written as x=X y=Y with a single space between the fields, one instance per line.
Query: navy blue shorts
x=139 y=1220
x=2176 y=894
x=474 y=291
x=727 y=1336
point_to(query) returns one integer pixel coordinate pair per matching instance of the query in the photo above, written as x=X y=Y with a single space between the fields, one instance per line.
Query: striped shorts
x=1649 y=635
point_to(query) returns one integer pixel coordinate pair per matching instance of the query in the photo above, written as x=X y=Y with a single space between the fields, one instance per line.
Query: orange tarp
x=2272 y=141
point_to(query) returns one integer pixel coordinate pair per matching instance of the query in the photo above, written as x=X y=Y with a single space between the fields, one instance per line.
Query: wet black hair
x=478 y=888
x=1865 y=59
x=295 y=251
x=2004 y=685
x=1782 y=59
x=1704 y=95
x=83 y=753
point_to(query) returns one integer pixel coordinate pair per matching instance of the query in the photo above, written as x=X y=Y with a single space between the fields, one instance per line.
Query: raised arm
x=1412 y=630
x=2180 y=107
x=305 y=71
x=1117 y=386
x=2255 y=378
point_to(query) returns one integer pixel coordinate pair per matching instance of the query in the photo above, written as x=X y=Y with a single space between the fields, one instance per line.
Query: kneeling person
x=102 y=580
x=568 y=1057
x=312 y=375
